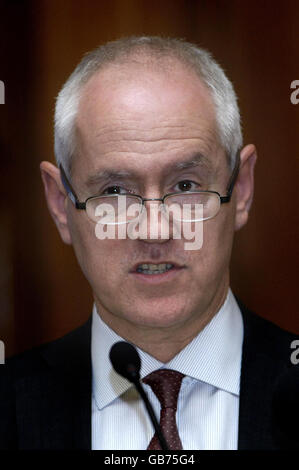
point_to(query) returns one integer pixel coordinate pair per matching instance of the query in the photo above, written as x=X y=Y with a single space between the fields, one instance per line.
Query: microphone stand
x=126 y=362
x=152 y=415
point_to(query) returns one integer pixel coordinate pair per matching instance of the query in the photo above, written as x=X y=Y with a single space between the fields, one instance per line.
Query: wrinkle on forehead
x=134 y=129
x=131 y=140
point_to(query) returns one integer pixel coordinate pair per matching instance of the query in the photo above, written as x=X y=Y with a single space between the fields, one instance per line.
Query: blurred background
x=43 y=293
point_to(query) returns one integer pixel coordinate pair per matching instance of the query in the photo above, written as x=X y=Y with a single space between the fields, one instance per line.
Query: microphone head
x=125 y=360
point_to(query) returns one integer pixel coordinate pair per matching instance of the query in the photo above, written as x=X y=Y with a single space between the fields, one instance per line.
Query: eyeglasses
x=187 y=206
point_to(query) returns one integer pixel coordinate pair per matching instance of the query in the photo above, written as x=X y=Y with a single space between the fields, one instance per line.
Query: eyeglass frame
x=81 y=205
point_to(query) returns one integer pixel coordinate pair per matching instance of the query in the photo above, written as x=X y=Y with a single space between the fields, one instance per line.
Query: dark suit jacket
x=45 y=393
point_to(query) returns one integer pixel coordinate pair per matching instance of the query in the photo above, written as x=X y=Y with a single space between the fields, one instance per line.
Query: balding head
x=147 y=53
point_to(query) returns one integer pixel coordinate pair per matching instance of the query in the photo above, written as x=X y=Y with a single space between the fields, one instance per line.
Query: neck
x=164 y=343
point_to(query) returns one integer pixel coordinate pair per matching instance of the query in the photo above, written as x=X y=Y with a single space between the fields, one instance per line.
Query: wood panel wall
x=43 y=293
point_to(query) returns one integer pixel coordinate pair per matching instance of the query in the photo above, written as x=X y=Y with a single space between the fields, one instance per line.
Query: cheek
x=213 y=258
x=97 y=258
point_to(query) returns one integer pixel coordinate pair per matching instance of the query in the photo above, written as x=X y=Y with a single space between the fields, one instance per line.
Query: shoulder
x=63 y=357
x=44 y=374
x=264 y=337
x=63 y=352
x=268 y=385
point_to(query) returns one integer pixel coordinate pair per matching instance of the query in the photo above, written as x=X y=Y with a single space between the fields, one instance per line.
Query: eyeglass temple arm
x=232 y=180
x=70 y=191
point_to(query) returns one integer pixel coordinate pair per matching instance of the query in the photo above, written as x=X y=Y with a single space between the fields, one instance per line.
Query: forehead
x=137 y=111
x=144 y=95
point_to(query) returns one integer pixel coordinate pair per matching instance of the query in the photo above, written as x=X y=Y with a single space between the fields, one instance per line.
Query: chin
x=160 y=315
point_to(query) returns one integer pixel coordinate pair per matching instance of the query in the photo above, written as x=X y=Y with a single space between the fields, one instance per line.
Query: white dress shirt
x=208 y=402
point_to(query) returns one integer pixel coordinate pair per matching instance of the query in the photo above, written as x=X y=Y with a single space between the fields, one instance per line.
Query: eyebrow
x=107 y=175
x=195 y=160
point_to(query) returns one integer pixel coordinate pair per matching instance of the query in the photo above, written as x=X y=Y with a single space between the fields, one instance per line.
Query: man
x=138 y=120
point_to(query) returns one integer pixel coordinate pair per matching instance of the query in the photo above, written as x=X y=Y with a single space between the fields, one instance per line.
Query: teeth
x=154 y=268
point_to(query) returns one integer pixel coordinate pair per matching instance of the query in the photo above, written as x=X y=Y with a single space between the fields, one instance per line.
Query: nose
x=153 y=224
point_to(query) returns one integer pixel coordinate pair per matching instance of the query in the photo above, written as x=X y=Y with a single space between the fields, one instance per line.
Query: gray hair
x=121 y=51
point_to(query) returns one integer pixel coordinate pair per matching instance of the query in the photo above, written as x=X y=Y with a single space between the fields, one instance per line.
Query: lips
x=160 y=268
x=150 y=268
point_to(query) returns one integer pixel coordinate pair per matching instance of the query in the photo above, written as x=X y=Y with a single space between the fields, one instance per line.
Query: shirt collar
x=213 y=356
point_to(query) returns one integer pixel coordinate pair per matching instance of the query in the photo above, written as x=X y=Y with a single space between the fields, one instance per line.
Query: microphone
x=286 y=410
x=126 y=362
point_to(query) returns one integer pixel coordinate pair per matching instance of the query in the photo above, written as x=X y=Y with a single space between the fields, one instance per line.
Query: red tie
x=166 y=385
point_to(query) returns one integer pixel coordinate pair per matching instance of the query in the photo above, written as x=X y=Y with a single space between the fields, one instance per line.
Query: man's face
x=146 y=125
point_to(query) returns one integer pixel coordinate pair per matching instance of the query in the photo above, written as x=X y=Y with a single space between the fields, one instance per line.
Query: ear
x=245 y=185
x=56 y=198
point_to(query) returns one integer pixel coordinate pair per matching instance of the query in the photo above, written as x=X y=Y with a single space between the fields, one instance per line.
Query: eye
x=115 y=190
x=187 y=185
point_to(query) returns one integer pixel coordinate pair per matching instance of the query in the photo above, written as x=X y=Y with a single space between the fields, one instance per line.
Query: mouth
x=154 y=268
x=156 y=272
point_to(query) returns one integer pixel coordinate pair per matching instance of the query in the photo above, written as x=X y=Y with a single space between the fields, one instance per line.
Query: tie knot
x=166 y=384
